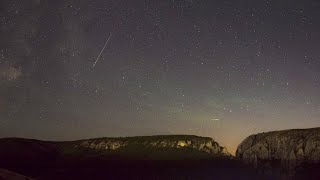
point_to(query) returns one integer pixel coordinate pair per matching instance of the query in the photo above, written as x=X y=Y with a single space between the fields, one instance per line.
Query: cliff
x=145 y=157
x=281 y=151
x=144 y=147
x=150 y=147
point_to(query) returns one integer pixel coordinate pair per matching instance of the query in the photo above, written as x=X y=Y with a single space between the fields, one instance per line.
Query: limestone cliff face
x=201 y=144
x=169 y=147
x=288 y=148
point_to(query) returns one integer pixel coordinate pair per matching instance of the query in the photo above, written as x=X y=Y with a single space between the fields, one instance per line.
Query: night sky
x=223 y=69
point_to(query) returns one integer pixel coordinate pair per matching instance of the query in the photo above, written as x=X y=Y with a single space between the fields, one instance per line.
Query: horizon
x=231 y=150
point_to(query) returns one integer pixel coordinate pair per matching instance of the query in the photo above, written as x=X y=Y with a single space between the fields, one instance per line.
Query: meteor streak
x=101 y=51
x=215 y=119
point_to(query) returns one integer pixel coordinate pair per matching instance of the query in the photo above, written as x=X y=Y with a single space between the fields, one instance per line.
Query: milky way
x=224 y=69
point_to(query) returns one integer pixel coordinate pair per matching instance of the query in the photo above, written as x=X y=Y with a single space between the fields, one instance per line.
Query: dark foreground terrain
x=133 y=169
x=115 y=169
x=154 y=157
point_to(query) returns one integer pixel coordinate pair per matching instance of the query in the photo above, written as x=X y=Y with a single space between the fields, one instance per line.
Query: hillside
x=148 y=147
x=145 y=157
x=8 y=175
x=143 y=147
x=289 y=152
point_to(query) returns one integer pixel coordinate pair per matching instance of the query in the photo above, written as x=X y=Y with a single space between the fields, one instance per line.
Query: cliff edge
x=163 y=147
x=149 y=147
x=282 y=151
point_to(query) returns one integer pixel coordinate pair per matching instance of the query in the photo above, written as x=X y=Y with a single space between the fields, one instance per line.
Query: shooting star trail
x=215 y=119
x=101 y=51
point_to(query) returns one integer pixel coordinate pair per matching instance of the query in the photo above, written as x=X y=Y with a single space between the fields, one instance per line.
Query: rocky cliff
x=144 y=147
x=146 y=157
x=283 y=151
x=153 y=147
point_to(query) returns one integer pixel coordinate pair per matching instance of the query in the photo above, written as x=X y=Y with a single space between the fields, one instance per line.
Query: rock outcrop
x=201 y=144
x=143 y=147
x=283 y=151
x=163 y=147
x=145 y=157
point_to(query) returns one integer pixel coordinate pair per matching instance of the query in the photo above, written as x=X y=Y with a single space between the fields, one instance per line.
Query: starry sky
x=218 y=68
